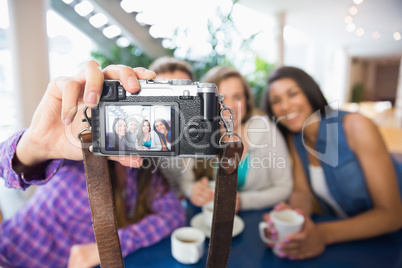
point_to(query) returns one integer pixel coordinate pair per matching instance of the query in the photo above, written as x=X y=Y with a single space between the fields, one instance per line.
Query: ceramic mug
x=188 y=245
x=286 y=222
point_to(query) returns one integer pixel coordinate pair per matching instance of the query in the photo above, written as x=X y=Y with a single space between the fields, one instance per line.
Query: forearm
x=19 y=175
x=29 y=159
x=303 y=201
x=365 y=225
x=27 y=167
x=27 y=154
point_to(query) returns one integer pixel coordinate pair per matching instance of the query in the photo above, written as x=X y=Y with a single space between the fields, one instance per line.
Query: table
x=249 y=251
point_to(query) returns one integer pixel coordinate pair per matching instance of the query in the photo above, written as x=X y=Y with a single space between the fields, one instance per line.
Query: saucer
x=198 y=222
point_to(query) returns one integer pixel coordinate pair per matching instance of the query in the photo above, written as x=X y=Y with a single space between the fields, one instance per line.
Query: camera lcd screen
x=140 y=128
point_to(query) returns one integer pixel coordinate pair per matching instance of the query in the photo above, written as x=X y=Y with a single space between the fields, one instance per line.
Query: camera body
x=165 y=118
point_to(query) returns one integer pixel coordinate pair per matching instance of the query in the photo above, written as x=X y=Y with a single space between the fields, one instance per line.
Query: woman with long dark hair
x=116 y=140
x=163 y=141
x=339 y=161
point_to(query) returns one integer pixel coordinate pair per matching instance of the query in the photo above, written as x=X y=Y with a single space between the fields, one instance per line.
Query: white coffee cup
x=188 y=245
x=207 y=213
x=286 y=222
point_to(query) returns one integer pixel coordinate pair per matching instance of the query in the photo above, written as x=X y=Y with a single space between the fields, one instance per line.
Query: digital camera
x=165 y=118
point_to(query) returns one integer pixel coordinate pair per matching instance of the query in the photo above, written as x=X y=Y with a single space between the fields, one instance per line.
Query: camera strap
x=230 y=153
x=224 y=204
x=100 y=194
x=103 y=210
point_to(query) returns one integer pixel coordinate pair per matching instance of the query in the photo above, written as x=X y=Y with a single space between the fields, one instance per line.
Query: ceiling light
x=131 y=6
x=98 y=20
x=84 y=8
x=360 y=32
x=167 y=43
x=348 y=19
x=155 y=31
x=397 y=36
x=68 y=1
x=111 y=31
x=376 y=35
x=123 y=42
x=350 y=27
x=145 y=18
x=357 y=2
x=353 y=10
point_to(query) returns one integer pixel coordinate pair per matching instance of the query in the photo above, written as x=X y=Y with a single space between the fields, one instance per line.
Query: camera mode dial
x=195 y=131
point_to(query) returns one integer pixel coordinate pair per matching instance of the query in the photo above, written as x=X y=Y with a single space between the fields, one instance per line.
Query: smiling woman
x=163 y=131
x=340 y=160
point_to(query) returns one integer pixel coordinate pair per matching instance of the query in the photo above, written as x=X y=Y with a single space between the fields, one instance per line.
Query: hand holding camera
x=57 y=119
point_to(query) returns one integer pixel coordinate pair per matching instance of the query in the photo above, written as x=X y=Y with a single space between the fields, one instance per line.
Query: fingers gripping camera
x=165 y=118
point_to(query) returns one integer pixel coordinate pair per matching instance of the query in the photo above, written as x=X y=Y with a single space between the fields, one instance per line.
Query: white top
x=269 y=178
x=156 y=142
x=320 y=188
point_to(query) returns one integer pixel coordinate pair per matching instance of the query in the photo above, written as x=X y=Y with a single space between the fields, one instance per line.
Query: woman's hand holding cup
x=279 y=225
x=307 y=243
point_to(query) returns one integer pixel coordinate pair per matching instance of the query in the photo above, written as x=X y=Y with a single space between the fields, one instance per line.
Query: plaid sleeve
x=168 y=215
x=20 y=181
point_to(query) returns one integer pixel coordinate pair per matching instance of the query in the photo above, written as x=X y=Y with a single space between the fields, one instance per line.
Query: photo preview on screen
x=139 y=127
